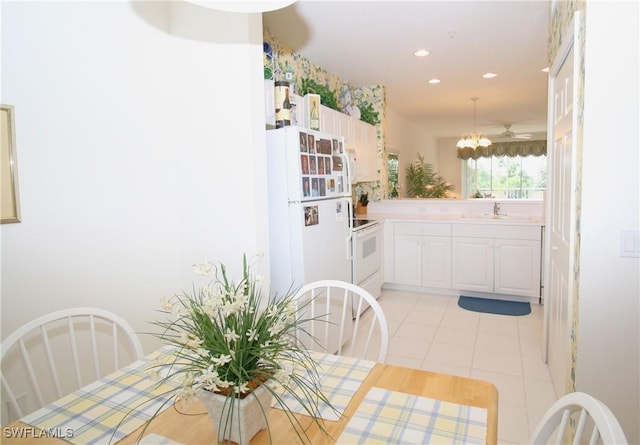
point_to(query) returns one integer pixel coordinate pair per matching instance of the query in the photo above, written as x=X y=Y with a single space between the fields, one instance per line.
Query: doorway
x=561 y=211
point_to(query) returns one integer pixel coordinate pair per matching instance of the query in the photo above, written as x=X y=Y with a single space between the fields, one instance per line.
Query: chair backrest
x=336 y=324
x=60 y=352
x=574 y=415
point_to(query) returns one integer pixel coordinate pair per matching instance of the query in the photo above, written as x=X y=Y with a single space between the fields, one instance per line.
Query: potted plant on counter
x=424 y=182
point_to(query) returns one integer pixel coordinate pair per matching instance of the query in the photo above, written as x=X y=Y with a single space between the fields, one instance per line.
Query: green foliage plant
x=424 y=182
x=327 y=97
x=367 y=114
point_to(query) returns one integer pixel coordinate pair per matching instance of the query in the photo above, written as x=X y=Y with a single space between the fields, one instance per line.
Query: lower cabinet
x=422 y=255
x=517 y=267
x=472 y=264
x=491 y=262
x=488 y=258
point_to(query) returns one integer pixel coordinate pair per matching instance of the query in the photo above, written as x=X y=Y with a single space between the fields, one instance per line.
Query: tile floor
x=431 y=332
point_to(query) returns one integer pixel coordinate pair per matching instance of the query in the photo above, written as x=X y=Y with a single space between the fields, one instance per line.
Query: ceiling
x=372 y=43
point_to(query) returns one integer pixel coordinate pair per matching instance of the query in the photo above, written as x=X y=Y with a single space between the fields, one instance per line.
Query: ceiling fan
x=508 y=134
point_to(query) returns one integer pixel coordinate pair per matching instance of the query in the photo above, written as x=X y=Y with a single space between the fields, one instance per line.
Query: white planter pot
x=249 y=415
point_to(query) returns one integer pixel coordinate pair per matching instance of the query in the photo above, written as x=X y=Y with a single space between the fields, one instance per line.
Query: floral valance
x=518 y=148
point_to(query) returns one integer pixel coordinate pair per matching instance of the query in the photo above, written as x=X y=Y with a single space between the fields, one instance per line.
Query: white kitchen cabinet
x=345 y=128
x=359 y=136
x=472 y=264
x=329 y=120
x=364 y=142
x=496 y=258
x=517 y=267
x=422 y=254
x=407 y=264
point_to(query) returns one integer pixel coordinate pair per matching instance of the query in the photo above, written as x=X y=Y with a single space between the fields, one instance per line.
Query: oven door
x=367 y=257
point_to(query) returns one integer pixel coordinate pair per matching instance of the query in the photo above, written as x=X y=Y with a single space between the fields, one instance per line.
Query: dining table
x=371 y=403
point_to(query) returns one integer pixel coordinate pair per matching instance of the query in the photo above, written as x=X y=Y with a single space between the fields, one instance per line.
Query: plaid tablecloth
x=114 y=406
x=107 y=410
x=392 y=417
x=340 y=378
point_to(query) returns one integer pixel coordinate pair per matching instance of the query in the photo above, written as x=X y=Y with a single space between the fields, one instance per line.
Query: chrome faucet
x=496 y=208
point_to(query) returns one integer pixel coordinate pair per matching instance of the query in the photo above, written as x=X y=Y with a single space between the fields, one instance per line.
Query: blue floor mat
x=490 y=306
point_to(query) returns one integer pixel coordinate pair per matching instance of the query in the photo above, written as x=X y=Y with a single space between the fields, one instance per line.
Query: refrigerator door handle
x=346 y=203
x=350 y=173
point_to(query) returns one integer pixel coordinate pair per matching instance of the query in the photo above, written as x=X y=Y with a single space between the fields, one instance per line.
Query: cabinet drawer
x=421 y=228
x=497 y=231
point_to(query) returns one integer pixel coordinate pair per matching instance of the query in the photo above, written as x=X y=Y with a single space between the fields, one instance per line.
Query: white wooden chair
x=57 y=353
x=348 y=332
x=575 y=414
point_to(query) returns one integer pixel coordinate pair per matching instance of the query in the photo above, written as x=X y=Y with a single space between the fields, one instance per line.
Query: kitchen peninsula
x=484 y=248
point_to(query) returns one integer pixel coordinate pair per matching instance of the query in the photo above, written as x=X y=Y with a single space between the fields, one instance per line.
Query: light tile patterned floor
x=431 y=332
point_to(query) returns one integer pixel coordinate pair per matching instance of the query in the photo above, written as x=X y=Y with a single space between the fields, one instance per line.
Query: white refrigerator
x=309 y=204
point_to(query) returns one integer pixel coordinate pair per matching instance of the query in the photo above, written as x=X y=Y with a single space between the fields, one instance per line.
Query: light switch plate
x=630 y=243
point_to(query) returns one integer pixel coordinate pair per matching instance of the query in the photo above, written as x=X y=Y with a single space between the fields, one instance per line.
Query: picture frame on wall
x=10 y=198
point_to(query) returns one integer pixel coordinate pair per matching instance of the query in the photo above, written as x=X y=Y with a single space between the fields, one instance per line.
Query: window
x=505 y=177
x=392 y=164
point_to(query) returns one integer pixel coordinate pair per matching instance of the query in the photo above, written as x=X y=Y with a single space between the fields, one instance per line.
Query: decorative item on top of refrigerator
x=312 y=111
x=282 y=104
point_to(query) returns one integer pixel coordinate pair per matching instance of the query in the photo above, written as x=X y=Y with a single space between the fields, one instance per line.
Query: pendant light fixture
x=473 y=140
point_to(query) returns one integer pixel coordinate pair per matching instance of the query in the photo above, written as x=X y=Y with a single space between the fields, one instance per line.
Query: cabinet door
x=345 y=129
x=472 y=264
x=436 y=262
x=328 y=120
x=407 y=258
x=517 y=267
x=365 y=144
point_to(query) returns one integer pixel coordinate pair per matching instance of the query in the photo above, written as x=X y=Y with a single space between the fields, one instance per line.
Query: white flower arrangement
x=226 y=343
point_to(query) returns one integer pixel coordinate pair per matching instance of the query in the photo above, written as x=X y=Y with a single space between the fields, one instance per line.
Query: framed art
x=10 y=200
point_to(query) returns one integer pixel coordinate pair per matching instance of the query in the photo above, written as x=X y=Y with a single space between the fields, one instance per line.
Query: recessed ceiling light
x=434 y=81
x=489 y=75
x=422 y=53
x=545 y=70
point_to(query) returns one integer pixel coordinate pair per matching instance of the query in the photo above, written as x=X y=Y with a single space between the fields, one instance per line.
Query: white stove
x=366 y=264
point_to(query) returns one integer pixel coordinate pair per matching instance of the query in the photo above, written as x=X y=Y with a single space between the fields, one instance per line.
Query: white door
x=561 y=223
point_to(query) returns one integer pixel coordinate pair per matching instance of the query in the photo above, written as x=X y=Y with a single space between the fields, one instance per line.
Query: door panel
x=472 y=260
x=561 y=217
x=517 y=267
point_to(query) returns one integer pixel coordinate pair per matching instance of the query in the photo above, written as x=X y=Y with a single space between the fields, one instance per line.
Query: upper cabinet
x=364 y=141
x=360 y=137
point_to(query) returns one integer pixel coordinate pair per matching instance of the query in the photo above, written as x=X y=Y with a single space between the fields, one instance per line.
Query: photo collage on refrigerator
x=320 y=159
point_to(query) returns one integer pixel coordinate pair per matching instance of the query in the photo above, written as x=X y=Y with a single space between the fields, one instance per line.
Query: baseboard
x=455 y=292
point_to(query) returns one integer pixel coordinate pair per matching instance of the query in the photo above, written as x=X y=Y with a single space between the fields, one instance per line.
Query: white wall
x=140 y=152
x=608 y=345
x=407 y=139
x=450 y=167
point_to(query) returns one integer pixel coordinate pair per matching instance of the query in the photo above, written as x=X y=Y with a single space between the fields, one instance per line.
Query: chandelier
x=473 y=140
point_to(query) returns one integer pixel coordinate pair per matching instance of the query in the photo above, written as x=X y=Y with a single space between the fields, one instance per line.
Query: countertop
x=459 y=219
